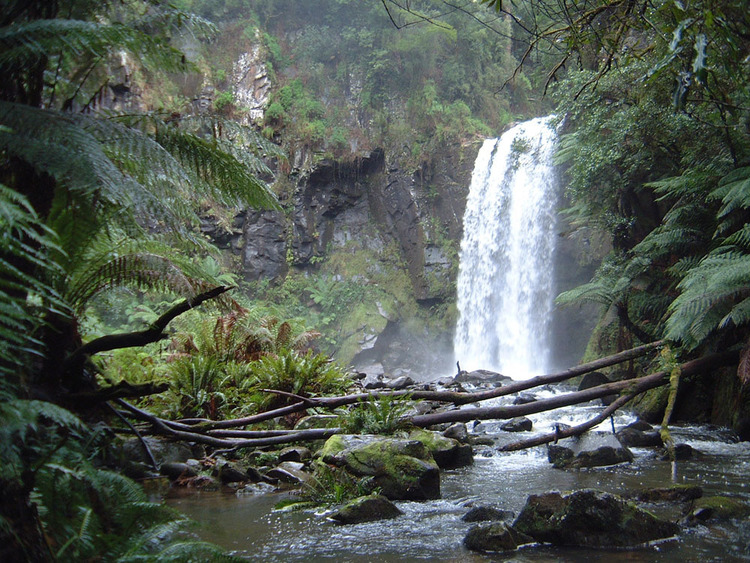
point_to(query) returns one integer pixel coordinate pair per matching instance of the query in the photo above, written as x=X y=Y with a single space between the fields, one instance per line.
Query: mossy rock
x=366 y=509
x=590 y=518
x=718 y=508
x=401 y=469
x=448 y=453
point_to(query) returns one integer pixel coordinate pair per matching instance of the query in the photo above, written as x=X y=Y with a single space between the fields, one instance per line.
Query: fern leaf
x=25 y=43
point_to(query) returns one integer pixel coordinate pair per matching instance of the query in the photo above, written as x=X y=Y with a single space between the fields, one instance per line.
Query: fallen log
x=568 y=432
x=218 y=434
x=629 y=386
x=455 y=397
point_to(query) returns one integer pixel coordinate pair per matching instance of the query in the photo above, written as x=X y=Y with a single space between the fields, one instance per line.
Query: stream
x=247 y=525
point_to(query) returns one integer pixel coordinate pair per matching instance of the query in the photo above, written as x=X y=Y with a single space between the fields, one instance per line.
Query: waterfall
x=505 y=281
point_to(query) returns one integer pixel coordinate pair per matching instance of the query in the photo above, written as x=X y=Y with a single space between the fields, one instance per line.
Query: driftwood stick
x=153 y=333
x=567 y=432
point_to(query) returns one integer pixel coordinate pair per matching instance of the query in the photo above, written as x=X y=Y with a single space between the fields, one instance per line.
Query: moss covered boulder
x=590 y=518
x=716 y=508
x=400 y=469
x=447 y=452
x=366 y=509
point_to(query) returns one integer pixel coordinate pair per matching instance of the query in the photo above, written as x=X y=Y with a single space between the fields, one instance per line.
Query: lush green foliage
x=85 y=511
x=382 y=416
x=92 y=199
x=657 y=156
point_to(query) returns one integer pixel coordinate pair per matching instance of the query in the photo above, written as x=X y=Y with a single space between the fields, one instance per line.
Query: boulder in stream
x=486 y=514
x=366 y=509
x=289 y=472
x=592 y=449
x=717 y=508
x=447 y=452
x=457 y=431
x=676 y=493
x=497 y=536
x=480 y=376
x=639 y=435
x=401 y=469
x=589 y=518
x=518 y=424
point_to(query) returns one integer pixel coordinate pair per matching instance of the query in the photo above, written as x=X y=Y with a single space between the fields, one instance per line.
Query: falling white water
x=505 y=281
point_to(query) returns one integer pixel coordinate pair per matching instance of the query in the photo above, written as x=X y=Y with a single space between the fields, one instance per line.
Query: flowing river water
x=505 y=301
x=247 y=525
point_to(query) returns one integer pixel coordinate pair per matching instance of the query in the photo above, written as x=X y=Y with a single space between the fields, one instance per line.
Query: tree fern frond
x=733 y=191
x=741 y=238
x=709 y=292
x=172 y=19
x=56 y=144
x=739 y=315
x=596 y=291
x=217 y=168
x=25 y=43
x=19 y=228
x=143 y=271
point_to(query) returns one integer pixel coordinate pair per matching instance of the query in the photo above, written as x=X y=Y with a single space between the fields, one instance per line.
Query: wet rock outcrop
x=366 y=509
x=589 y=518
x=401 y=469
x=592 y=449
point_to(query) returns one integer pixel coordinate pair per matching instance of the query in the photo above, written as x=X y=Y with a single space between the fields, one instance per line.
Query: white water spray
x=505 y=281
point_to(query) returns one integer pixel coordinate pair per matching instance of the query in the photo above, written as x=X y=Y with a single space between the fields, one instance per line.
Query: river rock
x=366 y=509
x=400 y=383
x=457 y=431
x=401 y=469
x=524 y=399
x=639 y=435
x=592 y=449
x=485 y=514
x=677 y=493
x=480 y=376
x=447 y=452
x=232 y=473
x=589 y=518
x=717 y=508
x=497 y=536
x=289 y=472
x=518 y=424
x=176 y=469
x=594 y=379
x=295 y=453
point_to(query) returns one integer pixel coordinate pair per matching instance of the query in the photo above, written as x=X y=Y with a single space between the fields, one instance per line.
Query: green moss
x=722 y=507
x=433 y=441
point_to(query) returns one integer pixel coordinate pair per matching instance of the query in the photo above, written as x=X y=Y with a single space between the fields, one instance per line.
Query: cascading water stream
x=505 y=281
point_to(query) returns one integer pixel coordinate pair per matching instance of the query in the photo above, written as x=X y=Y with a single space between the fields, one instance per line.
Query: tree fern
x=26 y=43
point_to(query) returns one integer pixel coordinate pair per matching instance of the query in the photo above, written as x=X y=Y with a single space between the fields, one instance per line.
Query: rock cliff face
x=369 y=204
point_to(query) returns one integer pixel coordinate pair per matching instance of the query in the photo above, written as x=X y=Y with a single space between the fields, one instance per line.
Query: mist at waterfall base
x=505 y=283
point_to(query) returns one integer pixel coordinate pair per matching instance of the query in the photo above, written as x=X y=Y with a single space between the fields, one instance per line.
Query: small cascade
x=505 y=281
